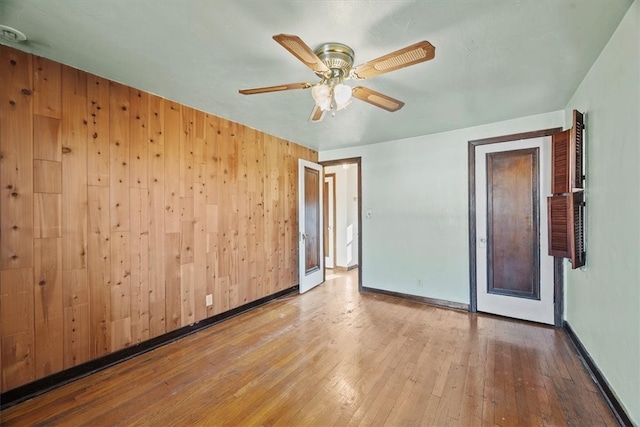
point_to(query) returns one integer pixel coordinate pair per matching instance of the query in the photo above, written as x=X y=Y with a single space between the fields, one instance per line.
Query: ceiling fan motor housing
x=338 y=57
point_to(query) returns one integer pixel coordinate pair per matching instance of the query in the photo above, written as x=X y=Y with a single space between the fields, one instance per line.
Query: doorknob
x=483 y=240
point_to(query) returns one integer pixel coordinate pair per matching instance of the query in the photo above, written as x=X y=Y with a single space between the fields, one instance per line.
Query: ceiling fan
x=333 y=63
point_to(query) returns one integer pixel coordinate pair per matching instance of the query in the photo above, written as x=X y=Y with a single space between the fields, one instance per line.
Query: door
x=514 y=273
x=310 y=239
x=329 y=202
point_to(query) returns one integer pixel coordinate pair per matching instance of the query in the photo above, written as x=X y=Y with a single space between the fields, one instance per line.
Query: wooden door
x=311 y=262
x=515 y=274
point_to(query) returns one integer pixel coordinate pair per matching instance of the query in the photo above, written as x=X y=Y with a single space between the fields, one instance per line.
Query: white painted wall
x=603 y=299
x=346 y=213
x=417 y=191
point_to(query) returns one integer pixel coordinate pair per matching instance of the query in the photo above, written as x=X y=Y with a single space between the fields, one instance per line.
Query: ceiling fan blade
x=410 y=55
x=301 y=51
x=377 y=99
x=316 y=115
x=290 y=86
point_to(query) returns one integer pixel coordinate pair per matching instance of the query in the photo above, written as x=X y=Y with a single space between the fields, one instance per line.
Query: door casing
x=358 y=162
x=330 y=219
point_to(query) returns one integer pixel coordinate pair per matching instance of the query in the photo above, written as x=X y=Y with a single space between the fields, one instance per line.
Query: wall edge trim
x=425 y=300
x=35 y=388
x=599 y=379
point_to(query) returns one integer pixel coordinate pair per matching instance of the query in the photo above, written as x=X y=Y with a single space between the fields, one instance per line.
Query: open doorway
x=342 y=218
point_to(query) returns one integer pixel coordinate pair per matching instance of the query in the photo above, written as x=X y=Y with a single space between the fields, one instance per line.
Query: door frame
x=332 y=232
x=558 y=276
x=358 y=162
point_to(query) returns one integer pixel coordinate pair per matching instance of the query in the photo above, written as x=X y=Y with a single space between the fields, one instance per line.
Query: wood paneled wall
x=120 y=211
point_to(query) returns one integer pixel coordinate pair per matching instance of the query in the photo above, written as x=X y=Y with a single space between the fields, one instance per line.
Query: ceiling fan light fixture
x=333 y=63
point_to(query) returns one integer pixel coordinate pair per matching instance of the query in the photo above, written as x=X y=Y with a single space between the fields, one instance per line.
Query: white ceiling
x=495 y=59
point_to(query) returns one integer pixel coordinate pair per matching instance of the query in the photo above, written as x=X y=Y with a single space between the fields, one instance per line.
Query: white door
x=329 y=209
x=310 y=239
x=514 y=274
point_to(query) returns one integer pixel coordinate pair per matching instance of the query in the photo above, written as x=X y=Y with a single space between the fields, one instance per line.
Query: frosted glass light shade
x=322 y=96
x=342 y=95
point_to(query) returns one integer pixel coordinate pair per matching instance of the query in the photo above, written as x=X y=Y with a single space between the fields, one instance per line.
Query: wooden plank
x=47 y=176
x=200 y=250
x=187 y=230
x=199 y=145
x=74 y=82
x=16 y=146
x=47 y=138
x=187 y=295
x=16 y=314
x=200 y=127
x=99 y=270
x=156 y=120
x=120 y=290
x=17 y=360
x=98 y=153
x=186 y=152
x=119 y=171
x=121 y=333
x=47 y=88
x=221 y=295
x=173 y=300
x=74 y=170
x=172 y=167
x=75 y=287
x=199 y=173
x=186 y=209
x=49 y=319
x=156 y=240
x=76 y=336
x=211 y=158
x=139 y=265
x=139 y=137
x=48 y=279
x=120 y=279
x=47 y=215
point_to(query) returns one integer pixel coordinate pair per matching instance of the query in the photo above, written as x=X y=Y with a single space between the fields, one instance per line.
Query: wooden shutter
x=566 y=207
x=560 y=162
x=558 y=210
x=576 y=232
x=576 y=152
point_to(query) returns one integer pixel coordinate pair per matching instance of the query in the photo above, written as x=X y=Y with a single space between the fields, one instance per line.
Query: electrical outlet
x=209 y=300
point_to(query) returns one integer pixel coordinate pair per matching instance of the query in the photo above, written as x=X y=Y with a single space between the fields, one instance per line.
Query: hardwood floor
x=336 y=357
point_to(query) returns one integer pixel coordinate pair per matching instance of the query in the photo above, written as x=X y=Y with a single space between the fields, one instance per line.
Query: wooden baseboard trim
x=598 y=378
x=35 y=388
x=425 y=300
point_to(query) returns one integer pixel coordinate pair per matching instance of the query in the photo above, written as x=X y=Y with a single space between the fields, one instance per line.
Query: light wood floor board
x=334 y=356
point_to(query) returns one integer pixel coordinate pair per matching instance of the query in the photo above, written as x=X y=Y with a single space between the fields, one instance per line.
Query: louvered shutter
x=566 y=207
x=558 y=210
x=576 y=235
x=576 y=152
x=560 y=162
